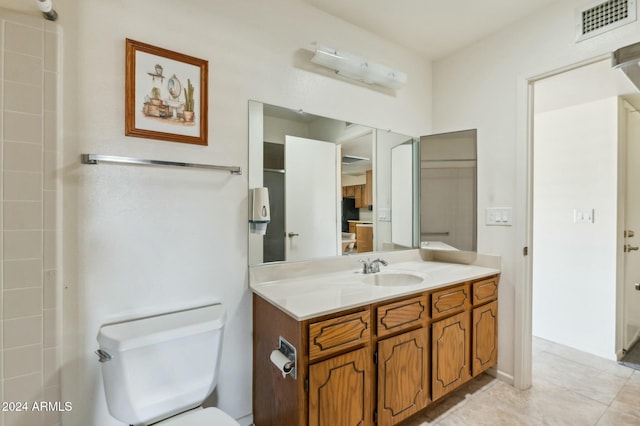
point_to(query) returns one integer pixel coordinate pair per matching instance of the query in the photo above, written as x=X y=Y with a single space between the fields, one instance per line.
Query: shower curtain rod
x=97 y=158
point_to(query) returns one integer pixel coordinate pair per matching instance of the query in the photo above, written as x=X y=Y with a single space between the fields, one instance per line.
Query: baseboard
x=504 y=377
x=246 y=420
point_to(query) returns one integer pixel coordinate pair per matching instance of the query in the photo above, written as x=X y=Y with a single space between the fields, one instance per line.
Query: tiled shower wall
x=29 y=338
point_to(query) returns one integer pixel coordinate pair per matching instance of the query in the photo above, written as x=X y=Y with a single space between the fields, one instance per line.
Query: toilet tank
x=161 y=365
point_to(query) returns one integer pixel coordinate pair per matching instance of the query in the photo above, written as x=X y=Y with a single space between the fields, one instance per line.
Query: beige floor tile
x=627 y=400
x=543 y=404
x=613 y=417
x=460 y=397
x=587 y=381
x=635 y=378
x=478 y=412
x=582 y=358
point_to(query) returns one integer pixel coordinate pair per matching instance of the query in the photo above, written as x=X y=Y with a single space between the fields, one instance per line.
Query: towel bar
x=96 y=158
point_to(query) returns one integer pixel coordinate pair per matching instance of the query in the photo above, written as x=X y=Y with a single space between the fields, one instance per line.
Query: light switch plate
x=384 y=215
x=583 y=215
x=499 y=216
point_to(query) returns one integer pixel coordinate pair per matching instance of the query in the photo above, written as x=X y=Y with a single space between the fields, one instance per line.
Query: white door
x=632 y=224
x=402 y=195
x=311 y=199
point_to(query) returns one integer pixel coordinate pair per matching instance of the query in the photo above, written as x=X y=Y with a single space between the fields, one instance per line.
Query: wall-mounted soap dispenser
x=260 y=215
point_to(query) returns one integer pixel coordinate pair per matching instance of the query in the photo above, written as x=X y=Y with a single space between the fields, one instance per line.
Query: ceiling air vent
x=350 y=159
x=600 y=17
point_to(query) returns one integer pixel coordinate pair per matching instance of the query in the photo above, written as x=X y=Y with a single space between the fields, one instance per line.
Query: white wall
x=483 y=86
x=574 y=264
x=275 y=129
x=141 y=240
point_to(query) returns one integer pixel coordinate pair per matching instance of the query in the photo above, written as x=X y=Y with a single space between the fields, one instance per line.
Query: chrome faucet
x=372 y=266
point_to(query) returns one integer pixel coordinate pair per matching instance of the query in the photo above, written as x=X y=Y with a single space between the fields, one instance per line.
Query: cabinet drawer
x=402 y=315
x=449 y=301
x=337 y=334
x=485 y=290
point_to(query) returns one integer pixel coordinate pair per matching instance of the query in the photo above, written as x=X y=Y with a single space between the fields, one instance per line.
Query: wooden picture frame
x=165 y=94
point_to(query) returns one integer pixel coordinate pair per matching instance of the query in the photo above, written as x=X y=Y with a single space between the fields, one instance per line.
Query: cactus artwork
x=188 y=97
x=166 y=95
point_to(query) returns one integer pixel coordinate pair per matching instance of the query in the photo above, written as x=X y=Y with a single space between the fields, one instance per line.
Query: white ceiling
x=431 y=28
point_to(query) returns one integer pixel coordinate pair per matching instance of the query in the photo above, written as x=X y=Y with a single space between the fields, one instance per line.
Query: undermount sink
x=392 y=279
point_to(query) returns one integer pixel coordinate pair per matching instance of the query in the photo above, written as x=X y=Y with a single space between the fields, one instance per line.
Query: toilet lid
x=207 y=416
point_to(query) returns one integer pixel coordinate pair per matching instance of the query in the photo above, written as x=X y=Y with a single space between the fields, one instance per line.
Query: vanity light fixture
x=353 y=66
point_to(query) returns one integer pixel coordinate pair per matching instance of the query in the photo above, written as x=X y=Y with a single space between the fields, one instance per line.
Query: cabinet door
x=340 y=391
x=358 y=195
x=403 y=376
x=484 y=341
x=364 y=238
x=451 y=354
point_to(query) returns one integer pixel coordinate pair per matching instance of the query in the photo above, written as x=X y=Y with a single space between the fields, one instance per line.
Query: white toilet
x=158 y=369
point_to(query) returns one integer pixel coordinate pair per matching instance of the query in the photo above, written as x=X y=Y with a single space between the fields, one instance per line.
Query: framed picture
x=165 y=94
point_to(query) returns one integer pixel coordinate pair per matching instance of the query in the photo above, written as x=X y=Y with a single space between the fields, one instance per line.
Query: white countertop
x=308 y=296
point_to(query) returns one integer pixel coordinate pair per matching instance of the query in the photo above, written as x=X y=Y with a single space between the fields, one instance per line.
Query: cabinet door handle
x=629 y=247
x=293 y=234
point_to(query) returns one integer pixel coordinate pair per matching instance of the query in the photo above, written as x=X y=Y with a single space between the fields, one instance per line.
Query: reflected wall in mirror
x=448 y=204
x=329 y=185
x=404 y=190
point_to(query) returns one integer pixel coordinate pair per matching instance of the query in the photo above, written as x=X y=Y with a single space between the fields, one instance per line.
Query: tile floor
x=569 y=388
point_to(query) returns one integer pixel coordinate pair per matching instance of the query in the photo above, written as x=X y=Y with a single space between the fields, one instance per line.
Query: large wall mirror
x=448 y=200
x=335 y=187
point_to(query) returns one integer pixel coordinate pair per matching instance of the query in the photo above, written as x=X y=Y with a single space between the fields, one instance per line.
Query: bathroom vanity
x=371 y=348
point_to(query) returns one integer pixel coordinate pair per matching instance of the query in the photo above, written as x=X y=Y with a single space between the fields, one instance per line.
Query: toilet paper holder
x=289 y=351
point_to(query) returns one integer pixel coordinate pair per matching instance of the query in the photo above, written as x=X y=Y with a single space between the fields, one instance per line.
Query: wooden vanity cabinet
x=379 y=363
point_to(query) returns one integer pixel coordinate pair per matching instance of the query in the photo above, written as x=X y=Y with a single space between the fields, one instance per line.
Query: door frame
x=522 y=371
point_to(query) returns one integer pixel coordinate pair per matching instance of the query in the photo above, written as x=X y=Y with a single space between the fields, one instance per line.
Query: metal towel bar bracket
x=96 y=158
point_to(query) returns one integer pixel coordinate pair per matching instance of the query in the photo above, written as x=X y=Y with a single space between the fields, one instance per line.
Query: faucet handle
x=366 y=265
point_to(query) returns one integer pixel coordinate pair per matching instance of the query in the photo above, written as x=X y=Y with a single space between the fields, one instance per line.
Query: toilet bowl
x=160 y=369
